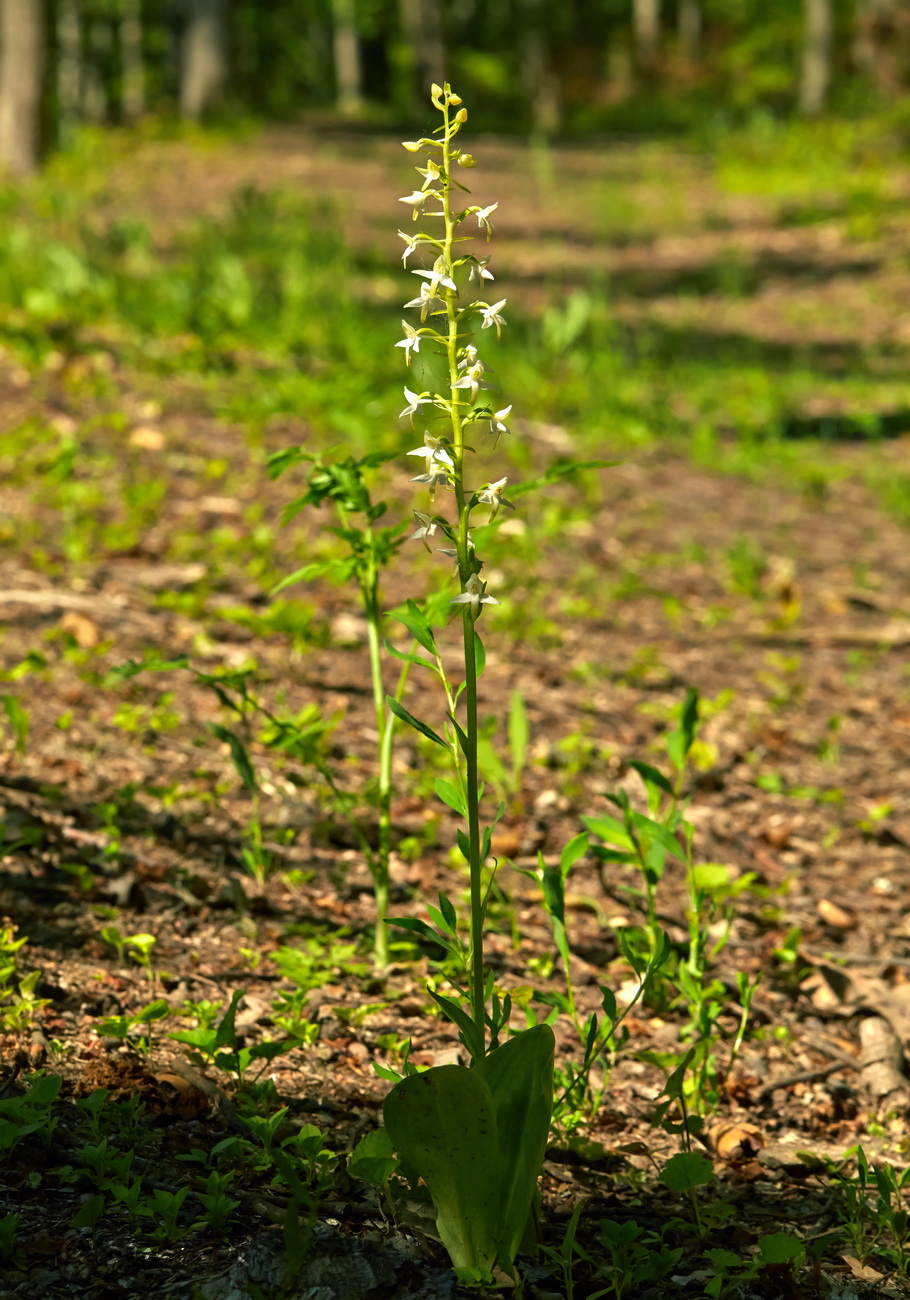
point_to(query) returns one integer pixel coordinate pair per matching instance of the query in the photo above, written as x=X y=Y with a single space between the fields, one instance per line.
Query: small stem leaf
x=660 y=834
x=414 y=619
x=688 y=718
x=576 y=848
x=409 y=658
x=519 y=733
x=465 y=845
x=448 y=912
x=459 y=732
x=609 y=829
x=480 y=654
x=239 y=756
x=401 y=712
x=651 y=776
x=451 y=796
x=471 y=1034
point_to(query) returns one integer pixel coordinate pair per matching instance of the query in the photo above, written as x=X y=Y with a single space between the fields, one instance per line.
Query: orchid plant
x=475 y=1135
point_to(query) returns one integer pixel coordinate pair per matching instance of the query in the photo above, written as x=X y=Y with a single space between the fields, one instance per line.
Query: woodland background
x=580 y=66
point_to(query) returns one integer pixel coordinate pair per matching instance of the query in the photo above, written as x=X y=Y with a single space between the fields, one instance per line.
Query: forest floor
x=784 y=603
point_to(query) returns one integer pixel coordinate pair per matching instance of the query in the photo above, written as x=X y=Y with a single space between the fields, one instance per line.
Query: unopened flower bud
x=436 y=95
x=465 y=160
x=454 y=99
x=412 y=146
x=461 y=115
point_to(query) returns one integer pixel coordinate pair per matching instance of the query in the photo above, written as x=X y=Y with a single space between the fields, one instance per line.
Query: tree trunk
x=96 y=71
x=203 y=63
x=133 y=70
x=346 y=50
x=539 y=81
x=881 y=37
x=690 y=29
x=21 y=69
x=421 y=33
x=69 y=63
x=646 y=28
x=816 y=76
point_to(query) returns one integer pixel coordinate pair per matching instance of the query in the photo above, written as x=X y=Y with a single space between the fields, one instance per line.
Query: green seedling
x=165 y=1207
x=564 y=1256
x=871 y=1204
x=218 y=1045
x=778 y=1255
x=218 y=1205
x=18 y=1001
x=29 y=1113
x=17 y=716
x=373 y=1161
x=637 y=1259
x=9 y=1233
x=134 y=1030
x=107 y=1166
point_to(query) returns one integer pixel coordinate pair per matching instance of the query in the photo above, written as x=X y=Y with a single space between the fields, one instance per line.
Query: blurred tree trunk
x=540 y=83
x=203 y=63
x=816 y=77
x=880 y=43
x=133 y=70
x=346 y=50
x=21 y=71
x=421 y=33
x=94 y=80
x=690 y=29
x=646 y=29
x=69 y=63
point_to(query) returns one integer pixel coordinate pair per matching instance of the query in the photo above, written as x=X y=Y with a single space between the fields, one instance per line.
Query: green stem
x=384 y=796
x=478 y=997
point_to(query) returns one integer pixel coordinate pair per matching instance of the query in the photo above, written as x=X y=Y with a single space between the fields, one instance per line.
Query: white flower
x=474 y=596
x=428 y=527
x=410 y=342
x=478 y=270
x=412 y=241
x=439 y=275
x=473 y=379
x=415 y=402
x=433 y=452
x=426 y=299
x=417 y=198
x=437 y=475
x=432 y=172
x=492 y=496
x=483 y=218
x=497 y=425
x=491 y=316
x=469 y=358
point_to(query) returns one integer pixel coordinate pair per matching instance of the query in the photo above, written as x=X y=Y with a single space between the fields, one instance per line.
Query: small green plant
x=135 y=1029
x=137 y=946
x=343 y=484
x=646 y=841
x=872 y=1205
x=637 y=1258
x=218 y=1046
x=31 y=1112
x=19 y=1002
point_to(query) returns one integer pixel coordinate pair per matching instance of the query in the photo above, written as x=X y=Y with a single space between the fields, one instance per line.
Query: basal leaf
x=442 y=1124
x=520 y=1078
